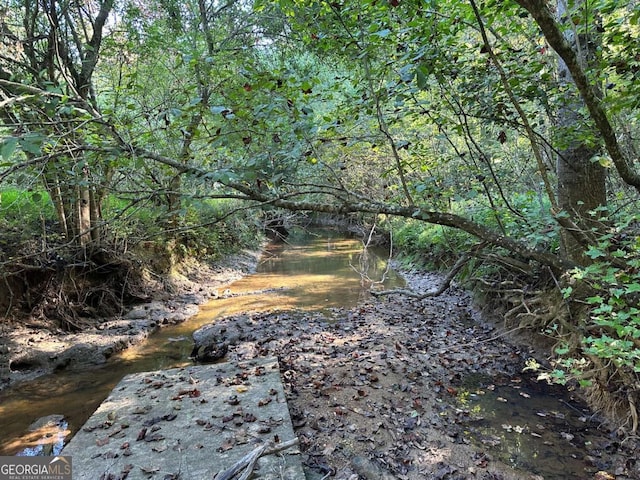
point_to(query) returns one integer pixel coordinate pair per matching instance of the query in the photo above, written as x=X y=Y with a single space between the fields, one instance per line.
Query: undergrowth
x=56 y=281
x=590 y=315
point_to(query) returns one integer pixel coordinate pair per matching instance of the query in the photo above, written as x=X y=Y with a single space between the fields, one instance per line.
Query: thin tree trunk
x=58 y=203
x=83 y=200
x=96 y=217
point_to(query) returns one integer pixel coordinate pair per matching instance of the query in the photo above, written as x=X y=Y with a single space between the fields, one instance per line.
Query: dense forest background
x=496 y=140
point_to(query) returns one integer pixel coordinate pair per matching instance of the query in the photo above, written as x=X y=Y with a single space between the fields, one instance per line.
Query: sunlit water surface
x=311 y=271
x=530 y=429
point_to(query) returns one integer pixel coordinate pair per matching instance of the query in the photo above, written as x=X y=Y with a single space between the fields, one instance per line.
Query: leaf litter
x=380 y=391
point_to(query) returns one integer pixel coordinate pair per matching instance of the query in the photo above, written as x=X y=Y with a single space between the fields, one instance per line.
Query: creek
x=311 y=271
x=324 y=272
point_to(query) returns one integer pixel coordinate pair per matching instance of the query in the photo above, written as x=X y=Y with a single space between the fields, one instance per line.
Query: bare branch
x=248 y=462
x=446 y=282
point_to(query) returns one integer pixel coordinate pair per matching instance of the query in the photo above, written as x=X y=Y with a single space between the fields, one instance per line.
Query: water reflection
x=312 y=271
x=528 y=426
x=46 y=440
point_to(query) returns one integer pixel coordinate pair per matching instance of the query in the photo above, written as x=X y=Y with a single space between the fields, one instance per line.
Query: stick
x=248 y=462
x=421 y=296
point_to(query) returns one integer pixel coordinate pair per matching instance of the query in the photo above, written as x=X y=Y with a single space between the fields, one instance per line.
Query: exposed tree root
x=70 y=289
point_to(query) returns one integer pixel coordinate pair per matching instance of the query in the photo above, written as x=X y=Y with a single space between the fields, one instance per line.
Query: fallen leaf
x=101 y=442
x=150 y=470
x=603 y=476
x=228 y=444
x=340 y=411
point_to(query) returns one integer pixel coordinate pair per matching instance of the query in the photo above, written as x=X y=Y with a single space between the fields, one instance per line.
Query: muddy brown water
x=311 y=272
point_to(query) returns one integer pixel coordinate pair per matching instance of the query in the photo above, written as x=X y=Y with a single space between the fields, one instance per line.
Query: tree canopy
x=513 y=123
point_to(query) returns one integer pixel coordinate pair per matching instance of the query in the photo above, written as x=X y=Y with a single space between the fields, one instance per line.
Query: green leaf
x=594 y=252
x=8 y=147
x=31 y=144
x=633 y=288
x=217 y=109
x=422 y=76
x=383 y=33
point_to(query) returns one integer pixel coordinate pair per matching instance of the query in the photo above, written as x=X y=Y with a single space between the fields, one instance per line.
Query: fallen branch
x=370 y=470
x=248 y=462
x=462 y=261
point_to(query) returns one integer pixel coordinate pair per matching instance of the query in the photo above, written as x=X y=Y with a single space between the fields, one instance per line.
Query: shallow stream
x=312 y=272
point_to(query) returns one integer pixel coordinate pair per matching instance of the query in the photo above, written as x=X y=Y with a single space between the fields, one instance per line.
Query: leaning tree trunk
x=581 y=180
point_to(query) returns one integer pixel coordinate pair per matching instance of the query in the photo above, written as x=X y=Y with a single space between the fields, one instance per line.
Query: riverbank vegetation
x=497 y=139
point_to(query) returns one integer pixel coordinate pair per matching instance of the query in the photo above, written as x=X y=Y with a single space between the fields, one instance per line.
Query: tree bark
x=581 y=180
x=58 y=202
x=83 y=199
x=69 y=61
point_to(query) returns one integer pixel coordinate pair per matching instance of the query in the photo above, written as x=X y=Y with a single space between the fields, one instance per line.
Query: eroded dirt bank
x=31 y=349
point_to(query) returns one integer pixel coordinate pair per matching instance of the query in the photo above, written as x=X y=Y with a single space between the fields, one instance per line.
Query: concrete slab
x=188 y=423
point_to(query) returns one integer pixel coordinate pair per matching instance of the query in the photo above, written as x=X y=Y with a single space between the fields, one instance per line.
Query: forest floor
x=391 y=389
x=401 y=388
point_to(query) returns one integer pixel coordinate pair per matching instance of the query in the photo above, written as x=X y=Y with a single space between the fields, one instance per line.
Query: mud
x=388 y=390
x=29 y=349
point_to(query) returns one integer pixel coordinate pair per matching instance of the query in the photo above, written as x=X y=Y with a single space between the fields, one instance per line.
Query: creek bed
x=324 y=278
x=531 y=425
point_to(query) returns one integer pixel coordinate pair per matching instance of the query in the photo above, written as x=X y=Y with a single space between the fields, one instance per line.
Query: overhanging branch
x=419 y=213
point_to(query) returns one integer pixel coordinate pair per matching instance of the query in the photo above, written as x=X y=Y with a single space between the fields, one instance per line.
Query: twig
x=491 y=339
x=248 y=462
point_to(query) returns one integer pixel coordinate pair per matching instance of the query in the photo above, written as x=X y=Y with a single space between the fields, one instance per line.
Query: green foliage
x=610 y=325
x=530 y=220
x=25 y=210
x=211 y=229
x=439 y=247
x=429 y=245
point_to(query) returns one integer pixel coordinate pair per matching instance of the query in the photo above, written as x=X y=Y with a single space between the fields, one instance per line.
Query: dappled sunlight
x=47 y=440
